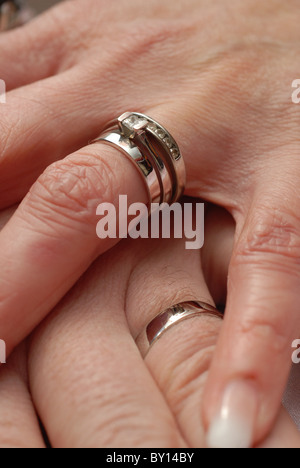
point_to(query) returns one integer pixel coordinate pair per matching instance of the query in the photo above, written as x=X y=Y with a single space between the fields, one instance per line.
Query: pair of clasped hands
x=218 y=76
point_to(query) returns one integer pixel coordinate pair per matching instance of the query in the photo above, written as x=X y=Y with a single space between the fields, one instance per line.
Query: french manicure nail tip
x=233 y=426
x=229 y=433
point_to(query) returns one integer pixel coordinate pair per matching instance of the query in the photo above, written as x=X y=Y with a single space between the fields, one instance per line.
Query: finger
x=41 y=48
x=179 y=360
x=44 y=122
x=284 y=434
x=39 y=125
x=88 y=381
x=54 y=230
x=51 y=240
x=32 y=52
x=19 y=425
x=262 y=316
x=183 y=389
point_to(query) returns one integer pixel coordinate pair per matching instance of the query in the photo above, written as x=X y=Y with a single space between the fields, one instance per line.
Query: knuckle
x=123 y=424
x=183 y=376
x=150 y=38
x=115 y=425
x=8 y=132
x=70 y=190
x=135 y=57
x=270 y=232
x=261 y=331
x=126 y=428
x=188 y=378
x=238 y=60
x=161 y=291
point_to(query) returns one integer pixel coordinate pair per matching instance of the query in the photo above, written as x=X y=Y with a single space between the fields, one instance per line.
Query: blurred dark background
x=40 y=5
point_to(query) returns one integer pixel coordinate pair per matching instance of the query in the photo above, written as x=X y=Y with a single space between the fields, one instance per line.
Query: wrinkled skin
x=218 y=75
x=83 y=374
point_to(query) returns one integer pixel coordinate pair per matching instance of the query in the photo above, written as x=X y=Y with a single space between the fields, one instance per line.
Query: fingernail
x=233 y=426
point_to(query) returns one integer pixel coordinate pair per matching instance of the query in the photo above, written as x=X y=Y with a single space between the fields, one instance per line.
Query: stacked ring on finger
x=153 y=150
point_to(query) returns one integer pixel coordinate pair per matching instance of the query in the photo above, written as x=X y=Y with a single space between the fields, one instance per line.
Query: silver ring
x=170 y=317
x=163 y=159
x=131 y=151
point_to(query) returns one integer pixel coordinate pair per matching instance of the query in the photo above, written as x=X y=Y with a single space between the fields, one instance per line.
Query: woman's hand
x=219 y=77
x=83 y=374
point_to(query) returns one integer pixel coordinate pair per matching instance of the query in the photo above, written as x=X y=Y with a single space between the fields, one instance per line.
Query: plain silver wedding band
x=169 y=318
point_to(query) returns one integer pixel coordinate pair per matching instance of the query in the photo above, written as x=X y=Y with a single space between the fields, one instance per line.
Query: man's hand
x=83 y=375
x=218 y=75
